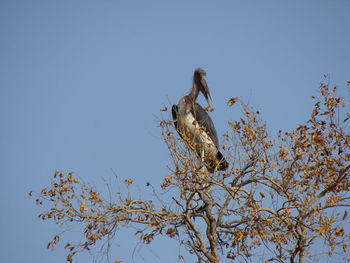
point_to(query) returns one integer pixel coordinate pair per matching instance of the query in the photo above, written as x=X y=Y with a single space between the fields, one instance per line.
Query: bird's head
x=199 y=78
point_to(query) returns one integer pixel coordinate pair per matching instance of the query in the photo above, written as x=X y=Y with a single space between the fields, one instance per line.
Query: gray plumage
x=195 y=126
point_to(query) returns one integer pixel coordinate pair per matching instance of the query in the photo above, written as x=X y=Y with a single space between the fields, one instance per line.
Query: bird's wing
x=174 y=112
x=204 y=120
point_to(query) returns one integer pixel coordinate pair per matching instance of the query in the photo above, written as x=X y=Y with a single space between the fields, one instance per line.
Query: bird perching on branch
x=195 y=126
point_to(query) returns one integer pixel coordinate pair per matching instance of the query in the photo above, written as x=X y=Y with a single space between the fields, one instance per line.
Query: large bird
x=195 y=126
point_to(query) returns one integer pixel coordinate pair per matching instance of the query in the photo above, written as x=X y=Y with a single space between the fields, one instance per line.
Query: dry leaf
x=232 y=101
x=129 y=181
x=83 y=207
x=208 y=108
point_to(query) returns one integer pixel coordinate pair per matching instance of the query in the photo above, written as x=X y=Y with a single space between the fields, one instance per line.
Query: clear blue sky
x=82 y=82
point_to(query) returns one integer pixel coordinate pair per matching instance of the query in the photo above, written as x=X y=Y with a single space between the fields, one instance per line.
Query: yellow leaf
x=70 y=211
x=76 y=180
x=239 y=236
x=287 y=158
x=339 y=232
x=129 y=181
x=83 y=207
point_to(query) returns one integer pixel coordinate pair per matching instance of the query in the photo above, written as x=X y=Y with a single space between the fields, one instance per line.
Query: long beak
x=205 y=90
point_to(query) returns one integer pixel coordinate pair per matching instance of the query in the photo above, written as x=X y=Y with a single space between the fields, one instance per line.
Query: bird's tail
x=223 y=164
x=218 y=163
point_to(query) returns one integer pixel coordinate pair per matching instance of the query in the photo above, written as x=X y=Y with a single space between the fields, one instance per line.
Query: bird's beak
x=205 y=89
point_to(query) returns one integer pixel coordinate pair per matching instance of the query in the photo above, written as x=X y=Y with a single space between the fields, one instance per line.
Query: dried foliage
x=281 y=196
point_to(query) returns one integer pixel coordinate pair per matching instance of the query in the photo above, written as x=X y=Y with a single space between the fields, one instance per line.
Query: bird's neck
x=194 y=92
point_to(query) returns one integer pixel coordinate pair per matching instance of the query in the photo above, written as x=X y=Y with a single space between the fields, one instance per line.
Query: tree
x=280 y=197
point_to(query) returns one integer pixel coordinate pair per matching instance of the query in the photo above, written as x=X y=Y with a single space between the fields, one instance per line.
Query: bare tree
x=281 y=196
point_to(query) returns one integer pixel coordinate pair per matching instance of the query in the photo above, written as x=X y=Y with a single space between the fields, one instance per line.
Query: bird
x=195 y=126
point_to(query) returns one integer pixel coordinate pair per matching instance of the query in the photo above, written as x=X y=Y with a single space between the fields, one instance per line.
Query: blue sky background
x=82 y=82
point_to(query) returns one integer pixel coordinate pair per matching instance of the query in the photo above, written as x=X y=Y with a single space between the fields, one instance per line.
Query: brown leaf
x=70 y=177
x=171 y=232
x=262 y=194
x=208 y=108
x=345 y=215
x=232 y=101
